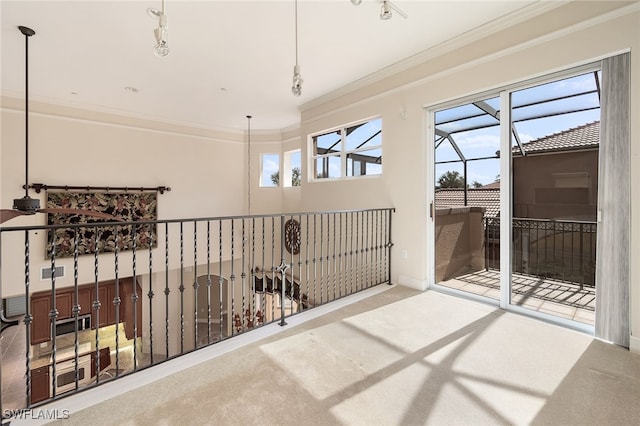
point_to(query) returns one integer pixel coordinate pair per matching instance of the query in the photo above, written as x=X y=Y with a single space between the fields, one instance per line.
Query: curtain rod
x=40 y=186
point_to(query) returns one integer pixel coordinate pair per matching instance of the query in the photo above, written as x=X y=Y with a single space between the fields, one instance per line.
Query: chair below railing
x=141 y=293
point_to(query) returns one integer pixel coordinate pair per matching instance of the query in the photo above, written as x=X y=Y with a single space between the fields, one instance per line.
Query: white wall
x=205 y=170
x=568 y=36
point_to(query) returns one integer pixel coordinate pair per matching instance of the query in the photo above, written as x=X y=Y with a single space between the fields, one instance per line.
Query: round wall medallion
x=292 y=236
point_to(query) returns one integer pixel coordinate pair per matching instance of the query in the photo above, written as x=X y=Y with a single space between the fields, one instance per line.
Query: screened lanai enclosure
x=92 y=302
x=543 y=136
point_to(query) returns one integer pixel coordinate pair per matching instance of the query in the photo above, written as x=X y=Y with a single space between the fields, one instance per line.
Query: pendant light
x=161 y=49
x=296 y=87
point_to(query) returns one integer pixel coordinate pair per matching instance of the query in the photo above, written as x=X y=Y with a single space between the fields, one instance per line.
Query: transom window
x=350 y=151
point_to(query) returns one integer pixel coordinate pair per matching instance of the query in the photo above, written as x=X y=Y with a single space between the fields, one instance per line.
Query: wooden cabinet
x=106 y=315
x=40 y=384
x=41 y=324
x=128 y=308
x=105 y=360
x=87 y=294
x=64 y=304
x=85 y=301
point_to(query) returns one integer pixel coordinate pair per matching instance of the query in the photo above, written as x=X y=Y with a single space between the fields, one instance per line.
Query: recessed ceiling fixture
x=161 y=49
x=356 y=2
x=296 y=88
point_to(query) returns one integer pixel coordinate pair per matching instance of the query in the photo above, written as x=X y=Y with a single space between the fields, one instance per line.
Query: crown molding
x=485 y=30
x=110 y=118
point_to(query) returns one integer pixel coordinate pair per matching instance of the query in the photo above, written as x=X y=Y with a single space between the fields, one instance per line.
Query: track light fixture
x=296 y=87
x=161 y=49
x=385 y=10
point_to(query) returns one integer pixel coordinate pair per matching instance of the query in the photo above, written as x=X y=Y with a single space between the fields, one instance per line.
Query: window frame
x=262 y=158
x=343 y=155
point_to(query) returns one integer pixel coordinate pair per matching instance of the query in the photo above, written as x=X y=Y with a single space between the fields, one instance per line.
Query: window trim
x=343 y=154
x=260 y=183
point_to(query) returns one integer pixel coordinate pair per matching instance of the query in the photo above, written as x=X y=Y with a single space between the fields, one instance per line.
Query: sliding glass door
x=466 y=202
x=515 y=190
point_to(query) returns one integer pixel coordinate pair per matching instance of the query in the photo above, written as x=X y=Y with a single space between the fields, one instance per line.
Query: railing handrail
x=586 y=222
x=195 y=219
x=161 y=288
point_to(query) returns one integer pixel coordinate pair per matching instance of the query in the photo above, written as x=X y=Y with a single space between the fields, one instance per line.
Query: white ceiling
x=228 y=58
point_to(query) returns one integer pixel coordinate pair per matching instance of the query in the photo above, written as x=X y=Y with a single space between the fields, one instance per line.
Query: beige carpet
x=401 y=357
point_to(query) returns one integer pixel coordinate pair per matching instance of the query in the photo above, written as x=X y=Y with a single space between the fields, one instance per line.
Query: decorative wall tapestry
x=129 y=206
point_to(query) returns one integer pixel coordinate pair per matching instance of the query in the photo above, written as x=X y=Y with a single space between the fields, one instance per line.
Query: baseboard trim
x=634 y=344
x=412 y=282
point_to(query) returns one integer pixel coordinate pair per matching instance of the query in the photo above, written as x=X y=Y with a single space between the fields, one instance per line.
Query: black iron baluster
x=150 y=295
x=27 y=316
x=97 y=303
x=208 y=282
x=357 y=252
x=485 y=222
x=134 y=296
x=582 y=281
x=243 y=275
x=365 y=250
x=333 y=257
x=273 y=268
x=350 y=265
x=53 y=316
x=306 y=259
x=389 y=244
x=321 y=257
x=370 y=249
x=300 y=304
x=573 y=272
x=195 y=284
x=167 y=291
x=181 y=288
x=331 y=260
x=220 y=281
x=263 y=300
x=376 y=254
x=537 y=249
x=340 y=266
x=282 y=270
x=252 y=273
x=76 y=306
x=554 y=257
x=315 y=264
x=233 y=280
x=116 y=304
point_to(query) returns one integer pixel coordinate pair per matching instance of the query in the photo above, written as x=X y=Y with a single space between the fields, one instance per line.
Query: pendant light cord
x=296 y=29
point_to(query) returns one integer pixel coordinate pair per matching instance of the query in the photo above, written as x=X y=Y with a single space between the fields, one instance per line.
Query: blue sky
x=486 y=142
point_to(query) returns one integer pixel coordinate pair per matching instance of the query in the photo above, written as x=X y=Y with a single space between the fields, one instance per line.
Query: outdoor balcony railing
x=103 y=300
x=562 y=250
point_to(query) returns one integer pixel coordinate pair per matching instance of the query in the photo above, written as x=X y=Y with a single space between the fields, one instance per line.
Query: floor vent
x=47 y=273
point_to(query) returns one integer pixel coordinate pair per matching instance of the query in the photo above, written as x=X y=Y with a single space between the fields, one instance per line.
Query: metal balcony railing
x=561 y=250
x=104 y=300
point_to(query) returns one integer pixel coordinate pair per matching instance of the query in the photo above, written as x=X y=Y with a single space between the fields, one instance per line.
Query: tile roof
x=581 y=137
x=489 y=198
